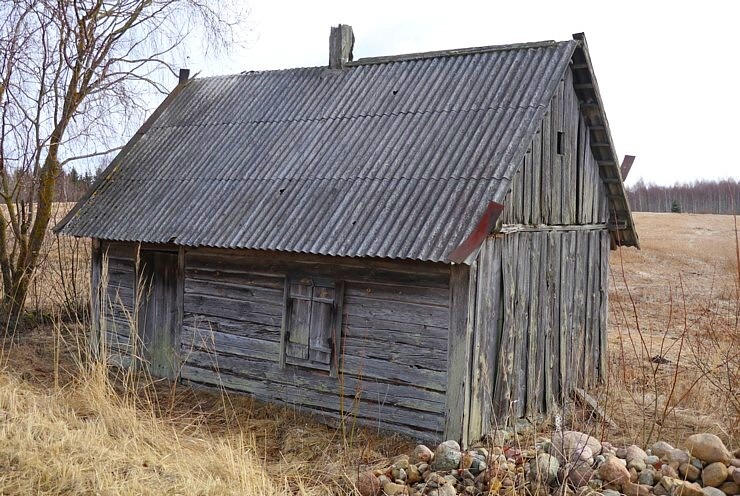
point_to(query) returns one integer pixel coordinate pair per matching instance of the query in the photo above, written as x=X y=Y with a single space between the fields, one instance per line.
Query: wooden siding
x=540 y=322
x=392 y=369
x=554 y=188
x=116 y=267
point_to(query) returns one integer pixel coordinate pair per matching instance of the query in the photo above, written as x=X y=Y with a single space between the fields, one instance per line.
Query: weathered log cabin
x=419 y=241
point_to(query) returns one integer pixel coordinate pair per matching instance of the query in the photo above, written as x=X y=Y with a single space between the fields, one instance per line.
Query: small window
x=561 y=142
x=311 y=323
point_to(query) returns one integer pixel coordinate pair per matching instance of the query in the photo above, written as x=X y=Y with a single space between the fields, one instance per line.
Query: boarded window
x=312 y=322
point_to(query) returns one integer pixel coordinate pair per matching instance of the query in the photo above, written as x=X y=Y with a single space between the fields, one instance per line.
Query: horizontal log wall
x=393 y=364
x=541 y=316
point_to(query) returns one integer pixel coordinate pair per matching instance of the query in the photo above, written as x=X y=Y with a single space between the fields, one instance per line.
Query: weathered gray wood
x=587 y=400
x=298 y=390
x=158 y=320
x=604 y=305
x=263 y=374
x=341 y=41
x=458 y=354
x=96 y=267
x=531 y=326
x=416 y=356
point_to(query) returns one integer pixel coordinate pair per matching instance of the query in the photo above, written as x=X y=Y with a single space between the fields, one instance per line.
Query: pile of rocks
x=568 y=463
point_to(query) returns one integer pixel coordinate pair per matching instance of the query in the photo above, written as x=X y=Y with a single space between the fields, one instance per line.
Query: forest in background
x=698 y=197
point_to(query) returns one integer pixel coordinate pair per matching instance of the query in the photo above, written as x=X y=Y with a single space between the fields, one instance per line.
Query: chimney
x=341 y=42
x=184 y=76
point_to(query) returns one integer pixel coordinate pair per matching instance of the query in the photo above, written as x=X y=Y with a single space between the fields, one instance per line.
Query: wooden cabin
x=420 y=242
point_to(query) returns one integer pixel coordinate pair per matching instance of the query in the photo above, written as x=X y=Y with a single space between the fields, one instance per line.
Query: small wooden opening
x=561 y=139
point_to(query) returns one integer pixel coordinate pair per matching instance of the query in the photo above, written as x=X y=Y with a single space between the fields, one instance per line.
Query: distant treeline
x=70 y=186
x=699 y=197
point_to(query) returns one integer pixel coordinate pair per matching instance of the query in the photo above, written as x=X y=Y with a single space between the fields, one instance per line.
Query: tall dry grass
x=87 y=438
x=73 y=425
x=674 y=341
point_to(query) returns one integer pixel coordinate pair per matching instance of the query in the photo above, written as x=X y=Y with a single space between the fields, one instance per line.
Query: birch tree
x=73 y=73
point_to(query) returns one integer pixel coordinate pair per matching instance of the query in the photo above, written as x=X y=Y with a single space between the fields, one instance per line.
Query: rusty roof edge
x=583 y=46
x=108 y=171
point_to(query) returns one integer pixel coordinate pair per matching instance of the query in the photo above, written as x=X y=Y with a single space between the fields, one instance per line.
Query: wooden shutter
x=312 y=323
x=322 y=318
x=299 y=317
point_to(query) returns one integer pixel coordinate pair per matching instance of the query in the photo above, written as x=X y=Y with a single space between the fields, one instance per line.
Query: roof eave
x=622 y=226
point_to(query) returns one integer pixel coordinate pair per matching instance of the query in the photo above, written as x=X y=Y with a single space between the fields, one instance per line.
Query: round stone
x=545 y=468
x=714 y=474
x=709 y=448
x=421 y=454
x=614 y=473
x=447 y=456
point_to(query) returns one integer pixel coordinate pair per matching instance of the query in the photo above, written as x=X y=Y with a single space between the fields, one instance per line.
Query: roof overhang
x=621 y=224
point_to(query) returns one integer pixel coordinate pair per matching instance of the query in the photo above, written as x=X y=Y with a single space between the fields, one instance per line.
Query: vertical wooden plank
x=594 y=293
x=505 y=377
x=337 y=329
x=494 y=334
x=570 y=114
x=567 y=352
x=96 y=292
x=604 y=304
x=588 y=331
x=180 y=310
x=553 y=164
x=458 y=354
x=526 y=181
x=532 y=324
x=582 y=269
x=285 y=322
x=543 y=323
x=521 y=299
x=554 y=293
x=536 y=153
x=546 y=192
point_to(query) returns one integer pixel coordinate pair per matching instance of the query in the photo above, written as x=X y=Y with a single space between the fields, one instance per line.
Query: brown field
x=676 y=298
x=70 y=426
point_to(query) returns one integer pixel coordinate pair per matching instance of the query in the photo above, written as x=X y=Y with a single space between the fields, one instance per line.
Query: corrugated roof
x=390 y=158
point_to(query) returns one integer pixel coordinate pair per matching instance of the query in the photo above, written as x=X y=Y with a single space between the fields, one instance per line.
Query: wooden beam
x=462 y=283
x=587 y=400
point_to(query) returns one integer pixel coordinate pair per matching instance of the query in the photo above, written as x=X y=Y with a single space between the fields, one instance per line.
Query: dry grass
x=71 y=426
x=85 y=439
x=677 y=298
x=68 y=427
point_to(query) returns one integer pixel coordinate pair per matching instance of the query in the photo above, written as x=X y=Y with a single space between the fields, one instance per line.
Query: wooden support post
x=96 y=261
x=180 y=311
x=459 y=352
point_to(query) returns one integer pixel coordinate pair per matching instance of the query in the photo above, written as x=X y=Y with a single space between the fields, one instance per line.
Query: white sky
x=668 y=71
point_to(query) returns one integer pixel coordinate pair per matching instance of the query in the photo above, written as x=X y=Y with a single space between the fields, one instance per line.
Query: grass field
x=69 y=426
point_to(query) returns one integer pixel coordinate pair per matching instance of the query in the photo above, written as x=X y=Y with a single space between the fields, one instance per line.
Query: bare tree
x=72 y=74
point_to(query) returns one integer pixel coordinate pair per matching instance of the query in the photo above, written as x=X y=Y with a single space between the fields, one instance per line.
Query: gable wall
x=541 y=298
x=558 y=189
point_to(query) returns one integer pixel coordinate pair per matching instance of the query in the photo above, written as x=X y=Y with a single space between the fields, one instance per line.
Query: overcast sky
x=668 y=71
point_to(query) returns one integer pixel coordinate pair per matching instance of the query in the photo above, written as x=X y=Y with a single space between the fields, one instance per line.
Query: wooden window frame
x=335 y=328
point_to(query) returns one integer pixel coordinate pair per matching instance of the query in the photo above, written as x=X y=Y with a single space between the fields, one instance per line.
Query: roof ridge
x=384 y=59
x=454 y=52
